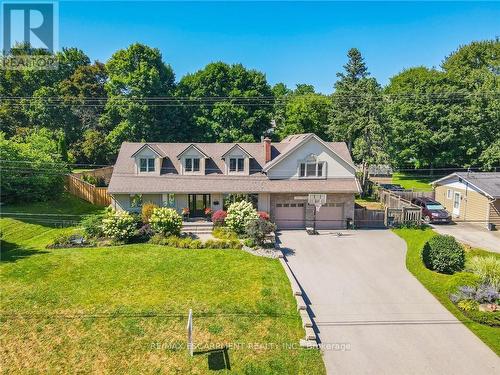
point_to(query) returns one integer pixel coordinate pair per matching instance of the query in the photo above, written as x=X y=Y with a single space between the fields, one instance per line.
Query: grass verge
x=440 y=285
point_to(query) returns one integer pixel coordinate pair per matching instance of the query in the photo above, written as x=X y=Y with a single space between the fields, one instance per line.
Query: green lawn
x=441 y=285
x=412 y=182
x=123 y=309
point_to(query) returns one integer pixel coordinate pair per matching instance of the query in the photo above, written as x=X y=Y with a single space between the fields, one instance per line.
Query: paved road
x=362 y=295
x=472 y=234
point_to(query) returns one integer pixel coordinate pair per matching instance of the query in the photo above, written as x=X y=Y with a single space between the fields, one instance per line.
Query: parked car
x=432 y=211
x=392 y=187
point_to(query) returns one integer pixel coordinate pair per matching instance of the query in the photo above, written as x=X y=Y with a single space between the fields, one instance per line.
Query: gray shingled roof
x=125 y=180
x=488 y=182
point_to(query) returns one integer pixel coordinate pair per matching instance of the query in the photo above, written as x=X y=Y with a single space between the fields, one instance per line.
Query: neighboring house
x=471 y=196
x=275 y=177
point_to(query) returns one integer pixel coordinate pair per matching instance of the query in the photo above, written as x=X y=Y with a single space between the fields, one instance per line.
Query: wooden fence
x=403 y=216
x=81 y=189
x=410 y=194
x=365 y=218
x=398 y=210
x=104 y=173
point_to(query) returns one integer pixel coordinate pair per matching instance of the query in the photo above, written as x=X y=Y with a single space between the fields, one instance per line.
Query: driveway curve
x=372 y=316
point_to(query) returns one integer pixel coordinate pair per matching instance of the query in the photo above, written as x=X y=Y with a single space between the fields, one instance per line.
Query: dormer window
x=236 y=164
x=192 y=164
x=147 y=164
x=312 y=168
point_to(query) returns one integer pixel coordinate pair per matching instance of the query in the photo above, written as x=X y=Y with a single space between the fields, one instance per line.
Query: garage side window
x=448 y=194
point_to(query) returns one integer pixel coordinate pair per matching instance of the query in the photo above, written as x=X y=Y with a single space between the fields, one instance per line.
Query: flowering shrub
x=165 y=221
x=208 y=212
x=146 y=211
x=484 y=293
x=185 y=211
x=264 y=215
x=219 y=217
x=118 y=225
x=239 y=214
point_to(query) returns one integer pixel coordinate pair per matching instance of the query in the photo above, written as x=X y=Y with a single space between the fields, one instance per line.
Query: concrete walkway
x=475 y=235
x=372 y=315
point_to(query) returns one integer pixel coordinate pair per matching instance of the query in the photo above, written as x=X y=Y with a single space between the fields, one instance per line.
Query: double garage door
x=292 y=215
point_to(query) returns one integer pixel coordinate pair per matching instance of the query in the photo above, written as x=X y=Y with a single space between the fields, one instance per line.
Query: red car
x=432 y=211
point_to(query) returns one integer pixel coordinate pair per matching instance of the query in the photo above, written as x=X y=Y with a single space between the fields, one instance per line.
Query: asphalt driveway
x=475 y=235
x=372 y=315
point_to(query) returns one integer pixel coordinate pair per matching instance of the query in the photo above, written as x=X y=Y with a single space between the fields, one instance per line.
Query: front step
x=197 y=228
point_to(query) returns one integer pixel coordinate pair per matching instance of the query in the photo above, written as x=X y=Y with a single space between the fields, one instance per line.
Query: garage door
x=289 y=215
x=330 y=216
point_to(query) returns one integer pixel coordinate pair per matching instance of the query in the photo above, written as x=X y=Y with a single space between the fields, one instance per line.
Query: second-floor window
x=236 y=165
x=147 y=165
x=192 y=164
x=313 y=169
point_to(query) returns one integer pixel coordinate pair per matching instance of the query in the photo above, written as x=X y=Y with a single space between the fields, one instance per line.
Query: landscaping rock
x=261 y=252
x=489 y=307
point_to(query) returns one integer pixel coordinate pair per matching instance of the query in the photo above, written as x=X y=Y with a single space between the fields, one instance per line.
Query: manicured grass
x=441 y=285
x=123 y=309
x=66 y=205
x=412 y=182
x=29 y=226
x=369 y=203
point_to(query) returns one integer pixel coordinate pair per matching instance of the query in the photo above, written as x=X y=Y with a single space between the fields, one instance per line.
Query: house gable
x=310 y=148
x=237 y=152
x=454 y=181
x=192 y=156
x=146 y=152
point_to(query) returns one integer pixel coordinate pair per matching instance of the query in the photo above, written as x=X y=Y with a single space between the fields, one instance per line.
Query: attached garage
x=290 y=215
x=330 y=216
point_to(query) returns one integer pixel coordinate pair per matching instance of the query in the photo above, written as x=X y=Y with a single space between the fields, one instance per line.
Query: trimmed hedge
x=443 y=254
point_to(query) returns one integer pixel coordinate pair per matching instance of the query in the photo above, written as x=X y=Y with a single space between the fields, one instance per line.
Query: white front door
x=456 y=203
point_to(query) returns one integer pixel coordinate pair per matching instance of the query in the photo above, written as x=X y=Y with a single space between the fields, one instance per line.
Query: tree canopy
x=424 y=118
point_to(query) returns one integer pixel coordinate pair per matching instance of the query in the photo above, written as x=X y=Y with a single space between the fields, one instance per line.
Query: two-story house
x=275 y=177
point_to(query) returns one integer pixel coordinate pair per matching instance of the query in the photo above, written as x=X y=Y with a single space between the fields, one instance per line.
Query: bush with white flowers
x=118 y=225
x=165 y=221
x=239 y=214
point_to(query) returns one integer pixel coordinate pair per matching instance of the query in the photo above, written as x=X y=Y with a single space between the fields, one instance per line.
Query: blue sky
x=291 y=42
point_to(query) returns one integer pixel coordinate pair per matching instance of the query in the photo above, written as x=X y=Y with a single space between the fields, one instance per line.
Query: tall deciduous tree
x=224 y=116
x=136 y=76
x=303 y=111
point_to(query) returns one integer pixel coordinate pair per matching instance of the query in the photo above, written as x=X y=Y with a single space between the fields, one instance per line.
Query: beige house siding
x=121 y=202
x=473 y=205
x=494 y=214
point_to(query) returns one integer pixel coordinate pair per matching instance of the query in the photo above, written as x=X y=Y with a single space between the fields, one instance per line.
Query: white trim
x=449 y=194
x=282 y=157
x=196 y=148
x=454 y=174
x=241 y=148
x=148 y=146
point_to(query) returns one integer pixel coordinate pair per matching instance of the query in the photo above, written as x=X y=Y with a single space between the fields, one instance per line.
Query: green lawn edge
x=436 y=283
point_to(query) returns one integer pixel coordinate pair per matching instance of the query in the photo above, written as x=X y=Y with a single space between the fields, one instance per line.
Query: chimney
x=267 y=149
